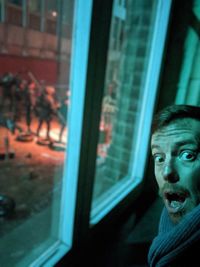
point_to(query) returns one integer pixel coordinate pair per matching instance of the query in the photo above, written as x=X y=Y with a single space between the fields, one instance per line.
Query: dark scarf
x=172 y=240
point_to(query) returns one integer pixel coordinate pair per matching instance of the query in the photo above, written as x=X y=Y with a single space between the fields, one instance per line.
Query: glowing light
x=54 y=13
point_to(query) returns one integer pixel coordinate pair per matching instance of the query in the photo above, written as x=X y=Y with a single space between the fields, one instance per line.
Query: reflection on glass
x=34 y=102
x=127 y=60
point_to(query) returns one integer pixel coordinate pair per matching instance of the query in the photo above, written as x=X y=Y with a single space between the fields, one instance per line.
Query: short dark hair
x=174 y=112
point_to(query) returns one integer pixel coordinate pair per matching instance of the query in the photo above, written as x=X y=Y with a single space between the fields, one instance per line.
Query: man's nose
x=170 y=173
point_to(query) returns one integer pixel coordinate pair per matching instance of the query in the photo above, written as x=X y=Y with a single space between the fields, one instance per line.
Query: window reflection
x=127 y=60
x=34 y=103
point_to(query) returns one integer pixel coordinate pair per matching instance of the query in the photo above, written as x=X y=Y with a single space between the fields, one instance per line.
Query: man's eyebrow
x=180 y=143
x=187 y=142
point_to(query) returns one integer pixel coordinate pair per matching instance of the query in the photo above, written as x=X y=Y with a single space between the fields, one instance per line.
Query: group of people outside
x=27 y=99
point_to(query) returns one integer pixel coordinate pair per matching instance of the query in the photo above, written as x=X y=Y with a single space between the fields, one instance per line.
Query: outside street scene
x=35 y=54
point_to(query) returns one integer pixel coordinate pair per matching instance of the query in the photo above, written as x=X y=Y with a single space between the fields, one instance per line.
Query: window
x=34 y=12
x=34 y=104
x=14 y=12
x=48 y=159
x=51 y=16
x=126 y=92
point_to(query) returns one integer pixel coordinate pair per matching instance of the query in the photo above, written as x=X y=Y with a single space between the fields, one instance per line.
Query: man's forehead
x=180 y=129
x=183 y=123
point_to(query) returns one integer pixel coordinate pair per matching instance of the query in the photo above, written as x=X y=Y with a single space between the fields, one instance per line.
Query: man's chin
x=178 y=216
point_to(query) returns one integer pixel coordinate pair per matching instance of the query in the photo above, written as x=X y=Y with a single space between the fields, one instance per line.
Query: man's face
x=176 y=153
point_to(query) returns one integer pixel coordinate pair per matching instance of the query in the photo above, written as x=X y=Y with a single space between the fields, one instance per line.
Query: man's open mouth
x=175 y=201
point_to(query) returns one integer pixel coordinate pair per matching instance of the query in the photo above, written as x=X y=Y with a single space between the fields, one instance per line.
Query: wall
x=43 y=69
x=44 y=54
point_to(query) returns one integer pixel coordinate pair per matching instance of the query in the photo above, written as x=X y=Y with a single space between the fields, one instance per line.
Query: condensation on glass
x=130 y=41
x=34 y=102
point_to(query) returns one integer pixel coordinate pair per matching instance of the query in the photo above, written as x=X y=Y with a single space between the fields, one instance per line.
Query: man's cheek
x=159 y=180
x=192 y=176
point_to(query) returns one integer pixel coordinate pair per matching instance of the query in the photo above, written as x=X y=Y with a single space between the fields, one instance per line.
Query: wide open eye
x=158 y=158
x=187 y=155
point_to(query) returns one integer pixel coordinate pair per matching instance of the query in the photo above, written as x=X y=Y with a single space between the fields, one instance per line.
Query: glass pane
x=34 y=102
x=51 y=15
x=127 y=60
x=34 y=14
